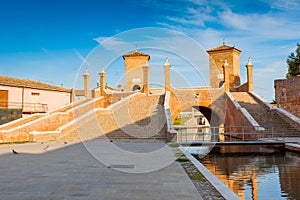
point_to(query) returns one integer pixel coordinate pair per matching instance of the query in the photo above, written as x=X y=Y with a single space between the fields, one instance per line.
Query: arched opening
x=198 y=123
x=136 y=88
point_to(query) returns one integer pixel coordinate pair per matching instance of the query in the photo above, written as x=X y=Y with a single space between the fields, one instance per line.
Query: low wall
x=287 y=94
x=241 y=88
x=238 y=117
x=285 y=115
x=21 y=132
x=288 y=117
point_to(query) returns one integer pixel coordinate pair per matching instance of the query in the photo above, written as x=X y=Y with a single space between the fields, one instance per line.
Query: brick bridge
x=113 y=114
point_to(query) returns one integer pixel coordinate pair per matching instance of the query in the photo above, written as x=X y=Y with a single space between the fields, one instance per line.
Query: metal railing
x=25 y=107
x=227 y=134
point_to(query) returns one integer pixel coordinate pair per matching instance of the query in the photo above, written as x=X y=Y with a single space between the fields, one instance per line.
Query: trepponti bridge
x=226 y=108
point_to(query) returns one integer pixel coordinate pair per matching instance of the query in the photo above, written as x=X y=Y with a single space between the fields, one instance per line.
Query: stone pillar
x=249 y=67
x=226 y=76
x=146 y=69
x=167 y=68
x=102 y=82
x=86 y=78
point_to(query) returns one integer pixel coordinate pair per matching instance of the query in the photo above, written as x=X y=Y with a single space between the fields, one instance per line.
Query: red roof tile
x=16 y=82
x=136 y=53
x=223 y=47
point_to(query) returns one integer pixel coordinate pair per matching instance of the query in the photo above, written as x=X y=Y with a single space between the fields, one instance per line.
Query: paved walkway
x=73 y=171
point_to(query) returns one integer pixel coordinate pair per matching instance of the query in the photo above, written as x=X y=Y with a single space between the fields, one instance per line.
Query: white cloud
x=111 y=43
x=290 y=5
x=264 y=78
x=100 y=39
x=267 y=37
x=269 y=26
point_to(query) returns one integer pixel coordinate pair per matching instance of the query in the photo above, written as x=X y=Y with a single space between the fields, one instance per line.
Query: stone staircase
x=32 y=128
x=265 y=117
x=138 y=117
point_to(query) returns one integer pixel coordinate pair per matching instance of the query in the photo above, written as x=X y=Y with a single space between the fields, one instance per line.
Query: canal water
x=256 y=172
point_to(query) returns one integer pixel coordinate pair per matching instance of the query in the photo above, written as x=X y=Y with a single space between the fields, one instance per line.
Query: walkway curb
x=219 y=185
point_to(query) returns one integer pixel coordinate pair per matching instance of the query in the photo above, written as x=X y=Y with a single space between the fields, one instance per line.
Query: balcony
x=27 y=108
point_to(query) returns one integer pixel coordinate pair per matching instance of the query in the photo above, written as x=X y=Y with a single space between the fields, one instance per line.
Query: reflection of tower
x=254 y=186
x=217 y=57
x=134 y=63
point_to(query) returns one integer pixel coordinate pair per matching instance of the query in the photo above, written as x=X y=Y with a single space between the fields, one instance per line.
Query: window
x=3 y=98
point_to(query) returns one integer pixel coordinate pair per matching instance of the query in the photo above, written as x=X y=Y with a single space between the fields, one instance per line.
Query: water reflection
x=255 y=172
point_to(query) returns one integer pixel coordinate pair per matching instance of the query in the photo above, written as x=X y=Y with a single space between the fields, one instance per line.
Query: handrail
x=287 y=116
x=170 y=128
x=25 y=106
x=246 y=114
x=233 y=134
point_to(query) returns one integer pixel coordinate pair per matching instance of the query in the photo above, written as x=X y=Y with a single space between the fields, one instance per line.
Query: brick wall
x=20 y=131
x=213 y=99
x=216 y=61
x=287 y=94
x=235 y=118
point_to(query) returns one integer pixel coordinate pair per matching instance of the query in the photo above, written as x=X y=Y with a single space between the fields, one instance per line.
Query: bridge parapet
x=241 y=116
x=210 y=99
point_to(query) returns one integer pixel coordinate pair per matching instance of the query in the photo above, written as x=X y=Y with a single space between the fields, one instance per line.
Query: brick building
x=287 y=94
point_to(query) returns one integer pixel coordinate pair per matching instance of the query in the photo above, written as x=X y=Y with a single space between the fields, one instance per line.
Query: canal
x=256 y=172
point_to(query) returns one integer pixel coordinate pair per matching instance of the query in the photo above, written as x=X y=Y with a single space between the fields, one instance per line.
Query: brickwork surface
x=265 y=117
x=287 y=93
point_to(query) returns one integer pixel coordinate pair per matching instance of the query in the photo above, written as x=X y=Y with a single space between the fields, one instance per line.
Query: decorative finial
x=136 y=49
x=249 y=61
x=167 y=62
x=102 y=69
x=225 y=63
x=86 y=71
x=223 y=41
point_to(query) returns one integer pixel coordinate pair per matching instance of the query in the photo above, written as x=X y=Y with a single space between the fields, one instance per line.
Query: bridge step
x=264 y=116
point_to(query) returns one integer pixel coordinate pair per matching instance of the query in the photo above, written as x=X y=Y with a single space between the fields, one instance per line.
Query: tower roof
x=136 y=54
x=223 y=48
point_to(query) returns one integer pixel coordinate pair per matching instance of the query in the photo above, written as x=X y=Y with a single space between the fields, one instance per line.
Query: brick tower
x=217 y=57
x=134 y=63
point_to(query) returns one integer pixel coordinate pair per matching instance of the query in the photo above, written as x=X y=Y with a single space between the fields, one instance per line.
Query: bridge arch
x=211 y=103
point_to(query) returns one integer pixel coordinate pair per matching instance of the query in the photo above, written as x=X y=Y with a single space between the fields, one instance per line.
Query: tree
x=293 y=62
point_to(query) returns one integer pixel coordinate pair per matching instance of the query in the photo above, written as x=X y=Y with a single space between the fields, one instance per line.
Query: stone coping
x=245 y=113
x=219 y=185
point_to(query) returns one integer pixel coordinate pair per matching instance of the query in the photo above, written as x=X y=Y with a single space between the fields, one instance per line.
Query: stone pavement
x=73 y=171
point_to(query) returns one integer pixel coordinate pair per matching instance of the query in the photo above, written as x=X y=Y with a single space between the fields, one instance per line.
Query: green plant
x=196 y=176
x=293 y=62
x=180 y=121
x=182 y=159
x=173 y=144
x=8 y=114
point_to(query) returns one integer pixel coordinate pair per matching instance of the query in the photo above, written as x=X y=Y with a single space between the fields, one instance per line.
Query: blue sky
x=46 y=40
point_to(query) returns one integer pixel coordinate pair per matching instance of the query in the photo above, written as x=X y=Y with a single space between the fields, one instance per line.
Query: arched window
x=136 y=88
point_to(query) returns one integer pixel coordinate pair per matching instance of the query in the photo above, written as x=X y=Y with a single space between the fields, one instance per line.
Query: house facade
x=32 y=96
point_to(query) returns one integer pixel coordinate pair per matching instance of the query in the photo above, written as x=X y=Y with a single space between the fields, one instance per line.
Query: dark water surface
x=255 y=172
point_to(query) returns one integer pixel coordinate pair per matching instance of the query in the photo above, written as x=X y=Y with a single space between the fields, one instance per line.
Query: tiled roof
x=136 y=53
x=16 y=82
x=222 y=47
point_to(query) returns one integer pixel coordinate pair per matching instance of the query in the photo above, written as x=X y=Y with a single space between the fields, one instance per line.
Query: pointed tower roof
x=102 y=70
x=167 y=62
x=135 y=54
x=86 y=73
x=222 y=48
x=249 y=61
